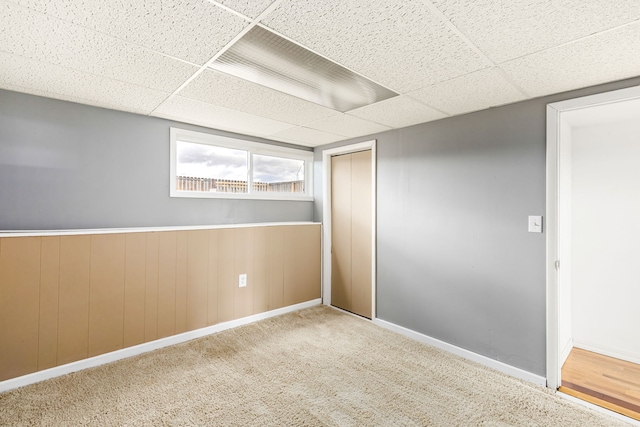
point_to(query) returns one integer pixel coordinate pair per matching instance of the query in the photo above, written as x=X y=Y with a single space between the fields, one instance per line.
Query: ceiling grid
x=442 y=57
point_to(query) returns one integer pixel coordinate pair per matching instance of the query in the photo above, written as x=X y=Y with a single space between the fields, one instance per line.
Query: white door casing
x=326 y=215
x=556 y=132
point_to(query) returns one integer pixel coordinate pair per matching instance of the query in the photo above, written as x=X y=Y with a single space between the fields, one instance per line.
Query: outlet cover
x=242 y=281
x=535 y=224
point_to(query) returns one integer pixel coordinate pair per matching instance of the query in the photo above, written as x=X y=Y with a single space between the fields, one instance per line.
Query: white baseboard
x=475 y=357
x=599 y=409
x=565 y=352
x=146 y=347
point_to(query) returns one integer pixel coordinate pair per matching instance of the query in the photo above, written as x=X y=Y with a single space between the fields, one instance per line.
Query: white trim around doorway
x=326 y=217
x=555 y=124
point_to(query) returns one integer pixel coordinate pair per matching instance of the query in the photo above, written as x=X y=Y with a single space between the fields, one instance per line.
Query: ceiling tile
x=475 y=91
x=398 y=43
x=200 y=113
x=602 y=58
x=506 y=29
x=250 y=8
x=399 y=111
x=308 y=137
x=192 y=30
x=227 y=91
x=32 y=35
x=348 y=126
x=30 y=76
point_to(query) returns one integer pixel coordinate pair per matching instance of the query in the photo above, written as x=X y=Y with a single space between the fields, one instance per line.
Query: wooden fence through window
x=215 y=185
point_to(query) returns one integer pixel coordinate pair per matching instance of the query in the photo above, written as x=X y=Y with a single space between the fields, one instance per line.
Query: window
x=278 y=174
x=205 y=165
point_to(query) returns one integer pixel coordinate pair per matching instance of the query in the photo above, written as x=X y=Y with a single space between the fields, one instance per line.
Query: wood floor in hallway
x=605 y=381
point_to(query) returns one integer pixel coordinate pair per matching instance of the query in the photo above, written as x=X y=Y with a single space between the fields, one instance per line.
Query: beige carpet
x=316 y=367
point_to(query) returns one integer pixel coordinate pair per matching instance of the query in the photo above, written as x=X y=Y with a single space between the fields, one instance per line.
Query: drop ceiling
x=443 y=57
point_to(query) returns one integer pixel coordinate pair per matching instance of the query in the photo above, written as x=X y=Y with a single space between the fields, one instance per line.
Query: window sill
x=241 y=196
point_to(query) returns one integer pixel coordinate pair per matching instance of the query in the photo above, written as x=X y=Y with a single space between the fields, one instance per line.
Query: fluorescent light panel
x=267 y=59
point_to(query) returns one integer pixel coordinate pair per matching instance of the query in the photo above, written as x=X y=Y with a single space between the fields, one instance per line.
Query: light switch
x=535 y=224
x=242 y=281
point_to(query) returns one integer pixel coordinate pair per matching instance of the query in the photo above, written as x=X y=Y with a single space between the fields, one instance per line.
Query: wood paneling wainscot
x=134 y=288
x=68 y=297
x=73 y=298
x=19 y=305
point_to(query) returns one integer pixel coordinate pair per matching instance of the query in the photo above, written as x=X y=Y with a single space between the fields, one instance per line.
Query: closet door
x=351 y=232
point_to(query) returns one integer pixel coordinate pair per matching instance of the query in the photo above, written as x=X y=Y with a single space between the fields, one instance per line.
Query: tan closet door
x=341 y=231
x=351 y=232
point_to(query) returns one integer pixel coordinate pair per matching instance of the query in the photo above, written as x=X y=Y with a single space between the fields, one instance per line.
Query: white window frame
x=177 y=134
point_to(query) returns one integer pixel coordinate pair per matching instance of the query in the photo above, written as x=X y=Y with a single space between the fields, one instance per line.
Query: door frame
x=555 y=125
x=326 y=217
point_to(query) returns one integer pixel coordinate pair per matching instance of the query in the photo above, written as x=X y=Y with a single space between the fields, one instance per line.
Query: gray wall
x=66 y=165
x=455 y=260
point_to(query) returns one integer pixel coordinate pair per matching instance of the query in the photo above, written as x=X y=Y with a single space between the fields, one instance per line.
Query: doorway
x=592 y=242
x=349 y=228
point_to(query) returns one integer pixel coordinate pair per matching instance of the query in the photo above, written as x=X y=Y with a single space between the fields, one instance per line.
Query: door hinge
x=557 y=263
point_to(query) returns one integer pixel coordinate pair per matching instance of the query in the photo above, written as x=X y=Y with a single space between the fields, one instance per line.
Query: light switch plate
x=242 y=281
x=535 y=224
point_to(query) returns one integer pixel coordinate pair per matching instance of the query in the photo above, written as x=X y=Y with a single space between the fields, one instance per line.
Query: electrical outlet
x=242 y=281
